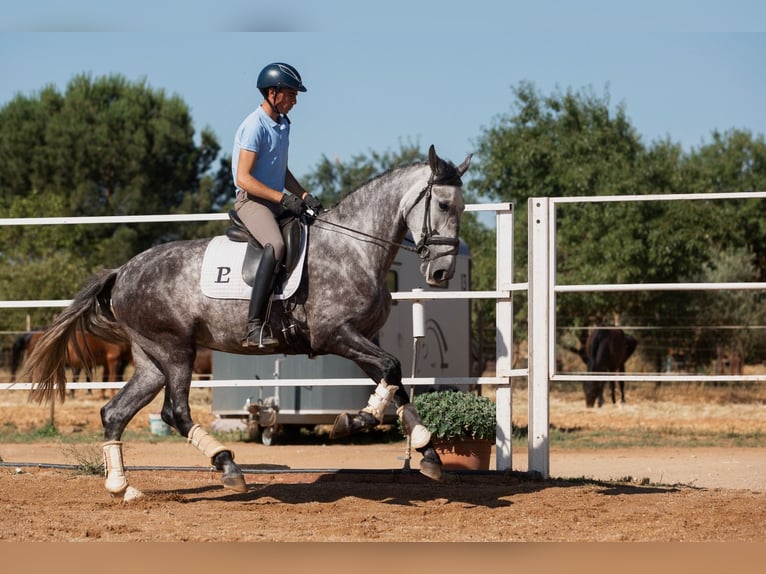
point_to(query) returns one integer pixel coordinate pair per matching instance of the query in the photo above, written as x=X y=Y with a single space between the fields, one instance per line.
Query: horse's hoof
x=236 y=483
x=127 y=495
x=430 y=469
x=132 y=494
x=341 y=427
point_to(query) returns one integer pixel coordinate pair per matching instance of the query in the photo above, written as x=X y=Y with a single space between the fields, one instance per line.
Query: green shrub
x=456 y=414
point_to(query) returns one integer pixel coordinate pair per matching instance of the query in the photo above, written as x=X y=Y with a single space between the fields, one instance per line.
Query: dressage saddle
x=291 y=228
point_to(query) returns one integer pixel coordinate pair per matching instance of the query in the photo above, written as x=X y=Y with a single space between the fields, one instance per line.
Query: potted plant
x=462 y=426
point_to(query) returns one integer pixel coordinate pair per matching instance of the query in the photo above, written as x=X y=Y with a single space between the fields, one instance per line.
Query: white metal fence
x=542 y=289
x=502 y=295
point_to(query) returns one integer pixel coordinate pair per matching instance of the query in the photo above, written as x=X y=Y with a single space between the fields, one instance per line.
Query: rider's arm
x=293 y=186
x=251 y=185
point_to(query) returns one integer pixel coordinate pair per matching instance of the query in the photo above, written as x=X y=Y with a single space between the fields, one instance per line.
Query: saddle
x=291 y=228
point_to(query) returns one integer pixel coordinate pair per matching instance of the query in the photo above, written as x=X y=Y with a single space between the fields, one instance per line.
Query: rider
x=265 y=187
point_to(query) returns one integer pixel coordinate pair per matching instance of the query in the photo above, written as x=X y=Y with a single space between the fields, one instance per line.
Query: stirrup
x=256 y=338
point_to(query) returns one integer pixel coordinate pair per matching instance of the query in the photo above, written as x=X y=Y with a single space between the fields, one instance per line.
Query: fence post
x=504 y=339
x=539 y=271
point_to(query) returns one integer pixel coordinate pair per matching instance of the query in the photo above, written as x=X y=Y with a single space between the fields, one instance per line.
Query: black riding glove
x=293 y=204
x=313 y=204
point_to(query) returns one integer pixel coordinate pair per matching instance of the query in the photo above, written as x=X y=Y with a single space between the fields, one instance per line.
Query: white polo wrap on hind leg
x=419 y=435
x=201 y=440
x=380 y=399
x=116 y=481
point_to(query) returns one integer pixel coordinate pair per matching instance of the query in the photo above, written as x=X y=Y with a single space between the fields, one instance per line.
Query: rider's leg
x=260 y=221
x=263 y=284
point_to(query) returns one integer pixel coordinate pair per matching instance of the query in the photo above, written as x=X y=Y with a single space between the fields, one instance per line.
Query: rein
x=427 y=236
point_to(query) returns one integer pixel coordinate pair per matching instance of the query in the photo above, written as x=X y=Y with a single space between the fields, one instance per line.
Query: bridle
x=427 y=235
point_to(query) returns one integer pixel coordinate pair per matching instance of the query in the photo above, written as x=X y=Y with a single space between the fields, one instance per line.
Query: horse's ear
x=463 y=167
x=433 y=159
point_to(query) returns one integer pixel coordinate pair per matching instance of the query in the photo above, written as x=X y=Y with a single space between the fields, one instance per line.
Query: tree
x=730 y=314
x=566 y=144
x=106 y=146
x=574 y=144
x=735 y=161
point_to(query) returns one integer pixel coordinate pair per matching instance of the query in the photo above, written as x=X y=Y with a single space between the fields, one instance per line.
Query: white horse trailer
x=444 y=351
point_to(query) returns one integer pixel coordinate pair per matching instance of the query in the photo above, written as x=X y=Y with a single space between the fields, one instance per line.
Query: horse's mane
x=447 y=174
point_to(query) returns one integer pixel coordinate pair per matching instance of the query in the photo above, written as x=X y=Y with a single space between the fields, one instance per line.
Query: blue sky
x=386 y=73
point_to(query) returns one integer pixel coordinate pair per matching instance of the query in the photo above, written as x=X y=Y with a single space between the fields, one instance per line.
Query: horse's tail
x=17 y=352
x=88 y=313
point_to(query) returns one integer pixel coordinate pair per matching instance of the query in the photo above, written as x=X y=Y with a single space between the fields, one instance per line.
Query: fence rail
x=502 y=295
x=542 y=289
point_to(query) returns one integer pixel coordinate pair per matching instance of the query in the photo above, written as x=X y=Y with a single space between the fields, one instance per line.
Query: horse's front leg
x=385 y=368
x=420 y=436
x=372 y=415
x=381 y=366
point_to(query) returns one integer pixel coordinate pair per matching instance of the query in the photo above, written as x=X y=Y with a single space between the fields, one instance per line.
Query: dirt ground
x=326 y=492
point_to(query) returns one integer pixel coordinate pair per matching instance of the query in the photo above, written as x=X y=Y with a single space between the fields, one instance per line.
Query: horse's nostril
x=440 y=276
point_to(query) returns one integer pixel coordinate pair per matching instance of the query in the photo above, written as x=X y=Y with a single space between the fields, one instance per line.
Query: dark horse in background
x=155 y=301
x=203 y=363
x=94 y=352
x=605 y=351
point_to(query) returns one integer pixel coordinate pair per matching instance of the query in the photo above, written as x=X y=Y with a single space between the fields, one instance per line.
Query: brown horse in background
x=93 y=352
x=606 y=351
x=203 y=363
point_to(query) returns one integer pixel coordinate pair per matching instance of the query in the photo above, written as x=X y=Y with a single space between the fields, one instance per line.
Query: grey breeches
x=260 y=221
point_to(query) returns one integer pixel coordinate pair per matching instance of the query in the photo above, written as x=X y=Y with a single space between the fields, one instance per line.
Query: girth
x=291 y=234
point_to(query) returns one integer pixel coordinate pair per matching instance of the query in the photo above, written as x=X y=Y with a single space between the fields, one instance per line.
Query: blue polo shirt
x=270 y=140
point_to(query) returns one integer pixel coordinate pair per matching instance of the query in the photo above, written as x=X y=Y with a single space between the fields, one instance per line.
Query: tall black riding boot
x=258 y=333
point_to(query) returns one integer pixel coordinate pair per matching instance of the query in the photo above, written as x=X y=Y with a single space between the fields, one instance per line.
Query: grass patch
x=11 y=434
x=642 y=437
x=561 y=437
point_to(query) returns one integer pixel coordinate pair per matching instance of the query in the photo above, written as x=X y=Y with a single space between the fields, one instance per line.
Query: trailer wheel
x=253 y=431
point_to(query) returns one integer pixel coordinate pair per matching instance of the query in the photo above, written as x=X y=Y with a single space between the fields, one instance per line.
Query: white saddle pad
x=221 y=276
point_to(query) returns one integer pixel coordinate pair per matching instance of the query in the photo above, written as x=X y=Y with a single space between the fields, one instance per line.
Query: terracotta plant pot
x=464 y=454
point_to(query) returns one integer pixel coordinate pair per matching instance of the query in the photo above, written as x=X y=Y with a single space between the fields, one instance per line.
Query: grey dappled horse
x=154 y=301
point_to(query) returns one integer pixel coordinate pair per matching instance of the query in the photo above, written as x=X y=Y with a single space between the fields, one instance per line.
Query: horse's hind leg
x=115 y=416
x=220 y=456
x=176 y=412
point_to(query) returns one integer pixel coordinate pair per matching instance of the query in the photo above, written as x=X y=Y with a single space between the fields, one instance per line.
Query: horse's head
x=433 y=218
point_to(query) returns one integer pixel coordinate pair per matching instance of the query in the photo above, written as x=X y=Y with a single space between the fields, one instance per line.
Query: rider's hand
x=293 y=204
x=313 y=203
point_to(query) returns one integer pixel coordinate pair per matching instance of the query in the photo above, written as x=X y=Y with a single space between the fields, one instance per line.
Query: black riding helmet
x=280 y=75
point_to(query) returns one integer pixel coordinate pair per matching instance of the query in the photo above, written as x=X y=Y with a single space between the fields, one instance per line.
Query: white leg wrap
x=116 y=481
x=420 y=436
x=202 y=441
x=380 y=399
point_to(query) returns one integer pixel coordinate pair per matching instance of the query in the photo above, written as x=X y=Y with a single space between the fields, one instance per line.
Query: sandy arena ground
x=636 y=494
